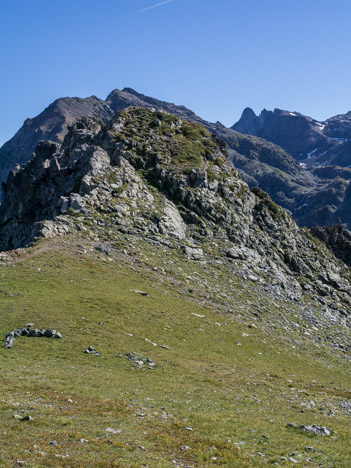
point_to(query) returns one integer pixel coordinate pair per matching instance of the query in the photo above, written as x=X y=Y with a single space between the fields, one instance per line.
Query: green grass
x=237 y=399
x=186 y=145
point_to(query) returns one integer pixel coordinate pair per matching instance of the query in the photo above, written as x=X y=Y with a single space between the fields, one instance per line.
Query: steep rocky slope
x=338 y=239
x=314 y=196
x=323 y=148
x=255 y=158
x=167 y=180
x=51 y=124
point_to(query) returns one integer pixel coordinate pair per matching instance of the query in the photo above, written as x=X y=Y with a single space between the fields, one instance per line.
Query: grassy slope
x=237 y=399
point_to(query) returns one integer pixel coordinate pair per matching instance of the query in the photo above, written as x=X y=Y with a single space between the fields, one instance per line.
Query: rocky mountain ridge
x=259 y=162
x=318 y=195
x=322 y=148
x=309 y=141
x=150 y=174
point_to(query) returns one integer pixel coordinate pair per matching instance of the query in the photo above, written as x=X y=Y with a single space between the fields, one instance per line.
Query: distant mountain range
x=300 y=162
x=309 y=141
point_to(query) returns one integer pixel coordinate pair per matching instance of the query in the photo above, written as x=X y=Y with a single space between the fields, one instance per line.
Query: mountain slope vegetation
x=221 y=329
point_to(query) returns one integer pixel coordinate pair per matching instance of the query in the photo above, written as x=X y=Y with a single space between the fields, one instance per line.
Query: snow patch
x=311 y=153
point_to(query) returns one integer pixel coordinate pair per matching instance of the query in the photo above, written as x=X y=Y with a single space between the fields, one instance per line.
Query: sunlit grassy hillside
x=226 y=382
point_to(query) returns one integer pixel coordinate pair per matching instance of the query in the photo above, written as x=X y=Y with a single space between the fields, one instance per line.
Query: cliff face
x=153 y=175
x=306 y=139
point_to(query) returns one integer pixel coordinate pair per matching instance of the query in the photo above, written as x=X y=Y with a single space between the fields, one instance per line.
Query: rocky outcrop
x=51 y=124
x=169 y=181
x=337 y=238
x=259 y=162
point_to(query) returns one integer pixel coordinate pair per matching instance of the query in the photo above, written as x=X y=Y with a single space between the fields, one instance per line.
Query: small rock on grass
x=111 y=430
x=312 y=429
x=142 y=293
x=92 y=350
x=23 y=418
x=317 y=430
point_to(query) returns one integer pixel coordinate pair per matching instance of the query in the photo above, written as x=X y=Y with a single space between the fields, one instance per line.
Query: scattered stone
x=313 y=429
x=29 y=332
x=185 y=448
x=193 y=253
x=142 y=293
x=317 y=430
x=27 y=418
x=103 y=249
x=92 y=350
x=113 y=431
x=189 y=429
x=53 y=442
x=234 y=253
x=9 y=340
x=293 y=460
x=140 y=361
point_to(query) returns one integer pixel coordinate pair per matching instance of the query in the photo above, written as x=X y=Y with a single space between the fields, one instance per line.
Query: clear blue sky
x=214 y=56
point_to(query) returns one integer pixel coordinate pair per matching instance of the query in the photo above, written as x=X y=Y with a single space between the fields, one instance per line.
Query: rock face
x=337 y=238
x=52 y=124
x=322 y=148
x=169 y=181
x=307 y=174
x=306 y=139
x=259 y=162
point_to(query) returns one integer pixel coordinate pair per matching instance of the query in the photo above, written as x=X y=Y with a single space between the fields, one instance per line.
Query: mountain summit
x=311 y=142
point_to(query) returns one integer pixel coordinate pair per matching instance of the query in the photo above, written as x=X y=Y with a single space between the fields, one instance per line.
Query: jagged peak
x=248 y=112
